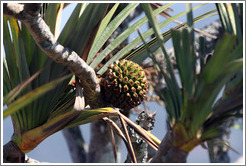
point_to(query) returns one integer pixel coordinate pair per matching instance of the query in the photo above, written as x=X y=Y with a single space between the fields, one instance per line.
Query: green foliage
x=132 y=50
x=112 y=26
x=31 y=96
x=153 y=44
x=86 y=32
x=191 y=106
x=85 y=27
x=38 y=94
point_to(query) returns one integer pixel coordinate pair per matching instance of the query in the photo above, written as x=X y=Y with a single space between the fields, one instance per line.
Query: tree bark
x=12 y=153
x=76 y=144
x=168 y=153
x=140 y=147
x=101 y=149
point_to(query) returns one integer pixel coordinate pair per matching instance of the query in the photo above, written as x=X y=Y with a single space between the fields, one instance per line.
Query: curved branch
x=29 y=14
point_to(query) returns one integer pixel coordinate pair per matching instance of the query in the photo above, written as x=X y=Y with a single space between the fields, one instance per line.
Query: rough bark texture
x=146 y=121
x=175 y=155
x=168 y=153
x=163 y=148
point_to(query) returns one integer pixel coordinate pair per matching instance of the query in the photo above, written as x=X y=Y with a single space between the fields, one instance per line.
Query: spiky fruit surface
x=124 y=84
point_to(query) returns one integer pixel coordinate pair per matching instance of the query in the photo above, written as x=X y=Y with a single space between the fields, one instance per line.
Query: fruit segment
x=124 y=85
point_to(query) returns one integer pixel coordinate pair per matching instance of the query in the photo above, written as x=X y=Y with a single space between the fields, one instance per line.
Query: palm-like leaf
x=129 y=51
x=24 y=56
x=54 y=110
x=190 y=107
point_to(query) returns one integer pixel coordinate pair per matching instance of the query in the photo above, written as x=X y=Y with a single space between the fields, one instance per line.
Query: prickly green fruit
x=124 y=84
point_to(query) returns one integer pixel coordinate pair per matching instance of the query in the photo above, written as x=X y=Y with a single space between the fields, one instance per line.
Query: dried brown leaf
x=128 y=138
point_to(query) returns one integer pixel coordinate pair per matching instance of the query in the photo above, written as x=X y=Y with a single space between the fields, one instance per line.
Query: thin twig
x=142 y=133
x=128 y=138
x=111 y=133
x=117 y=129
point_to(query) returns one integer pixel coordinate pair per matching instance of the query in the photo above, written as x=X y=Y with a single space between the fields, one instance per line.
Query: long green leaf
x=234 y=66
x=139 y=55
x=10 y=54
x=148 y=11
x=88 y=116
x=88 y=21
x=173 y=85
x=71 y=23
x=171 y=105
x=190 y=21
x=50 y=16
x=231 y=18
x=202 y=52
x=189 y=48
x=114 y=24
x=223 y=13
x=104 y=24
x=16 y=91
x=237 y=22
x=153 y=45
x=157 y=66
x=124 y=35
x=101 y=29
x=22 y=66
x=127 y=51
x=209 y=91
x=6 y=81
x=220 y=58
x=31 y=96
x=29 y=45
x=185 y=62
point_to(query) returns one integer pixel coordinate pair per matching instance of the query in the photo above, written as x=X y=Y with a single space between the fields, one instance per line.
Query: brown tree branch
x=163 y=148
x=29 y=15
x=168 y=153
